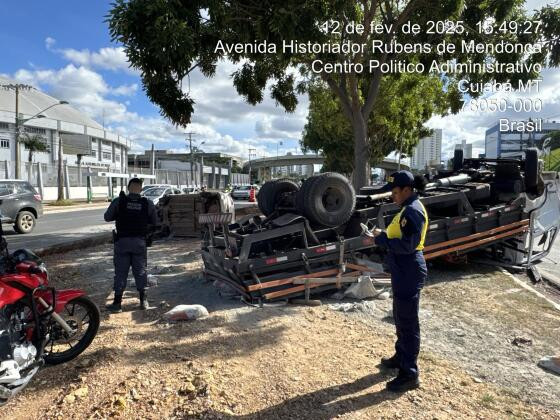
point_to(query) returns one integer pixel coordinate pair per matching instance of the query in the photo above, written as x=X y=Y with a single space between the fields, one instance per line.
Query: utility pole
x=16 y=88
x=190 y=133
x=251 y=150
x=17 y=132
x=60 y=174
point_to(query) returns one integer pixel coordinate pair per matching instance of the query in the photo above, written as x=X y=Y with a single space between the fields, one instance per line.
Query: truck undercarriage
x=313 y=237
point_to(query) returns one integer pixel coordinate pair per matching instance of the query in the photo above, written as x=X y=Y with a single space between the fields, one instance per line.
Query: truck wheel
x=25 y=222
x=327 y=199
x=531 y=168
x=270 y=193
x=458 y=160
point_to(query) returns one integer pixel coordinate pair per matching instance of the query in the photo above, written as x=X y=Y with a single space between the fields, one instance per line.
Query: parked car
x=191 y=190
x=155 y=194
x=244 y=192
x=20 y=206
x=149 y=186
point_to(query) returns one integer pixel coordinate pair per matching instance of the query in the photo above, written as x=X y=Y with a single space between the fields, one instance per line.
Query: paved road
x=58 y=228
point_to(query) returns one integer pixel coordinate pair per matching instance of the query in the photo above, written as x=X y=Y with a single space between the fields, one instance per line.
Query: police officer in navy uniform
x=133 y=215
x=404 y=240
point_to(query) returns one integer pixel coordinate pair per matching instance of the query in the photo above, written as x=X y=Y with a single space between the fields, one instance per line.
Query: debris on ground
x=186 y=313
x=364 y=289
x=366 y=307
x=550 y=363
x=521 y=341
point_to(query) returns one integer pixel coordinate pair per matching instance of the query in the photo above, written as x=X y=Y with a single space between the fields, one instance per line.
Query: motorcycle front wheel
x=83 y=316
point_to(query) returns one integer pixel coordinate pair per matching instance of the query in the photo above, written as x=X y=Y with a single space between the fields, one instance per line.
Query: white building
x=428 y=151
x=98 y=148
x=502 y=144
x=466 y=148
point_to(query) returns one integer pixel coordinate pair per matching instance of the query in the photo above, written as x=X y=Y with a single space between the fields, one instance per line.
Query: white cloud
x=125 y=90
x=107 y=58
x=218 y=103
x=49 y=42
x=82 y=87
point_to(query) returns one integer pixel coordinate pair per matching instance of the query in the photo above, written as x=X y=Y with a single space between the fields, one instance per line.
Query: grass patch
x=62 y=203
x=487 y=400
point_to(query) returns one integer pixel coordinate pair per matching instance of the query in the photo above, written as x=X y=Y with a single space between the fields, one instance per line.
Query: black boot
x=403 y=383
x=143 y=301
x=391 y=362
x=115 y=307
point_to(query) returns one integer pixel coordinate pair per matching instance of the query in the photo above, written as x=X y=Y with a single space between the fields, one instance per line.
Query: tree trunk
x=60 y=179
x=360 y=177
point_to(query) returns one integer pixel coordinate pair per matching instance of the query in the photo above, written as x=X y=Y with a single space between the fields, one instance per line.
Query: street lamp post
x=19 y=122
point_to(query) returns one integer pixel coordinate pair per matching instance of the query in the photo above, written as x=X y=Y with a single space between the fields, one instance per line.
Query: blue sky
x=63 y=47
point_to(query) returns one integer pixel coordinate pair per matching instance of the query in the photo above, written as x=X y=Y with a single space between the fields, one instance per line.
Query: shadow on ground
x=326 y=403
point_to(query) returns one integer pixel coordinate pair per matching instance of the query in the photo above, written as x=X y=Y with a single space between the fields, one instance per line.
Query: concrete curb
x=54 y=210
x=531 y=289
x=97 y=239
x=550 y=277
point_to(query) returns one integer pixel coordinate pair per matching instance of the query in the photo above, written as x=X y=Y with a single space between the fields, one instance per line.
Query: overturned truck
x=311 y=237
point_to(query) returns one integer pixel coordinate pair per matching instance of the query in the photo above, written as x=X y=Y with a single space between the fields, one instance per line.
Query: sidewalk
x=50 y=209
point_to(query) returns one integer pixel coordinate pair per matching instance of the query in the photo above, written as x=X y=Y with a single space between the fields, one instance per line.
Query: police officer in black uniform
x=404 y=240
x=133 y=215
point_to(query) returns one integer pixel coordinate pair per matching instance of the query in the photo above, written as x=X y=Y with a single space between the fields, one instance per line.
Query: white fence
x=75 y=181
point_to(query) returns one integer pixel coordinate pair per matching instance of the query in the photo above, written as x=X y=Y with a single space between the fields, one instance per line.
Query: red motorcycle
x=38 y=324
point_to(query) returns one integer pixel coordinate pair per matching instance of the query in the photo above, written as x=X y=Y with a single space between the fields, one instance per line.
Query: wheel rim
x=26 y=222
x=79 y=318
x=332 y=199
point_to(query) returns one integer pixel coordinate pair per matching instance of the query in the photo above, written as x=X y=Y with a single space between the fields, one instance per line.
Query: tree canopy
x=34 y=143
x=167 y=39
x=396 y=123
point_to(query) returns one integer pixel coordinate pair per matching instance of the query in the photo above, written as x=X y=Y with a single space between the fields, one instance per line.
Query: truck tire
x=327 y=199
x=458 y=160
x=303 y=192
x=531 y=168
x=270 y=193
x=25 y=222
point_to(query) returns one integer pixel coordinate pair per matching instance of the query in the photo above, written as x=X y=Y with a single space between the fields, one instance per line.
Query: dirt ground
x=482 y=337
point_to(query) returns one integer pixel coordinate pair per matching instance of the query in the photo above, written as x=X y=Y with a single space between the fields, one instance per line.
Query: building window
x=94 y=152
x=106 y=143
x=35 y=130
x=4 y=144
x=118 y=158
x=107 y=155
x=4 y=126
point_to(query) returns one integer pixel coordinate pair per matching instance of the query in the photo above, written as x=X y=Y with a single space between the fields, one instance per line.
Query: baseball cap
x=399 y=179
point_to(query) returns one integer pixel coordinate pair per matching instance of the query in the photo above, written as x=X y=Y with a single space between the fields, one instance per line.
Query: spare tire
x=327 y=199
x=531 y=169
x=458 y=160
x=270 y=192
